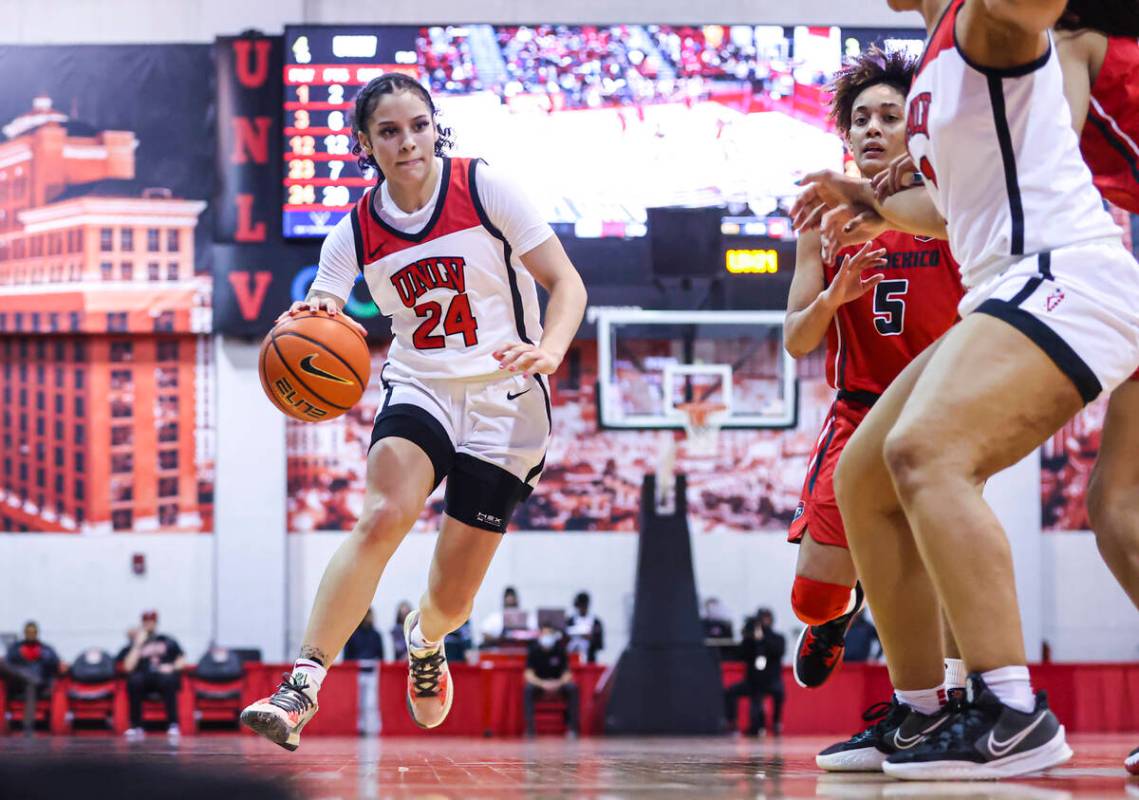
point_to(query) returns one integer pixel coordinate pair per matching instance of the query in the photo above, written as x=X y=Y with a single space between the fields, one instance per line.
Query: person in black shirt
x=762 y=652
x=399 y=644
x=365 y=643
x=153 y=663
x=586 y=634
x=548 y=672
x=33 y=662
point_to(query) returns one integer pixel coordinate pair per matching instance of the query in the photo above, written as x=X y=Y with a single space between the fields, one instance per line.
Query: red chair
x=48 y=711
x=550 y=715
x=91 y=690
x=217 y=688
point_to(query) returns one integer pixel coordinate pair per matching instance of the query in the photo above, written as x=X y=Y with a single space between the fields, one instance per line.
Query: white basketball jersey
x=455 y=290
x=999 y=157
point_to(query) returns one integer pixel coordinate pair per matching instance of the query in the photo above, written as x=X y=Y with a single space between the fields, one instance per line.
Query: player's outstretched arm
x=553 y=270
x=811 y=305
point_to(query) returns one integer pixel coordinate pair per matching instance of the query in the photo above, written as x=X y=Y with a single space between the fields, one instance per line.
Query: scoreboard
x=325 y=66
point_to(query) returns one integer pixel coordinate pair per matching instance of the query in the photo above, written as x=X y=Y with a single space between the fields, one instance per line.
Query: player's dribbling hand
x=849 y=284
x=318 y=303
x=896 y=177
x=527 y=359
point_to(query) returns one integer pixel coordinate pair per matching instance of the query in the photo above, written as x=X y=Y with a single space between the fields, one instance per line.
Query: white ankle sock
x=850 y=605
x=927 y=701
x=955 y=673
x=311 y=670
x=418 y=642
x=1012 y=686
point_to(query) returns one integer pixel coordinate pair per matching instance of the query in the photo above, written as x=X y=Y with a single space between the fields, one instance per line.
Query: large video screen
x=613 y=119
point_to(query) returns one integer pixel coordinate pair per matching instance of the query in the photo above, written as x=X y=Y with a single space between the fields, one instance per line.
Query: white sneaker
x=429 y=689
x=174 y=733
x=280 y=717
x=134 y=734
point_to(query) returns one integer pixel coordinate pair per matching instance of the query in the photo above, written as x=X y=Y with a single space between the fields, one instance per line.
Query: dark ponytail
x=1109 y=17
x=366 y=101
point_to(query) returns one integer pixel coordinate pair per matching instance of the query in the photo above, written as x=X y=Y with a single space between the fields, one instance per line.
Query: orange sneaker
x=280 y=717
x=429 y=689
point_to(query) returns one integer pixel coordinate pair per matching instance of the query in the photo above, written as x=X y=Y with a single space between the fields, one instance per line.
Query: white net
x=702 y=428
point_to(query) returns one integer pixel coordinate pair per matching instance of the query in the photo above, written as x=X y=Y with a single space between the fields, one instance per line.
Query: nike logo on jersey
x=906 y=742
x=1001 y=749
x=515 y=396
x=311 y=369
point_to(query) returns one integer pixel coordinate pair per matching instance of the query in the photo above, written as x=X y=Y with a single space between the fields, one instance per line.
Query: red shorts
x=1134 y=377
x=818 y=509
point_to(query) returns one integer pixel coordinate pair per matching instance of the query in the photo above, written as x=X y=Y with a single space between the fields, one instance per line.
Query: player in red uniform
x=878 y=306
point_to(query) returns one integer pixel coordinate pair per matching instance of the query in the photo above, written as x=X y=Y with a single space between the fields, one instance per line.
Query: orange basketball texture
x=314 y=366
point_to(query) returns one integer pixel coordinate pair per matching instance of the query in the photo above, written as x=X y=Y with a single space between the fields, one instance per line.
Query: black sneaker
x=894 y=727
x=820 y=647
x=985 y=740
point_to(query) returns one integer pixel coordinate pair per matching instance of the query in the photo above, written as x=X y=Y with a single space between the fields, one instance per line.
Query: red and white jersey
x=449 y=274
x=1110 y=139
x=874 y=337
x=1000 y=158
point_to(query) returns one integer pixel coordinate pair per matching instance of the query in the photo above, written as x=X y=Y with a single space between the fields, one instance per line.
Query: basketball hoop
x=702 y=427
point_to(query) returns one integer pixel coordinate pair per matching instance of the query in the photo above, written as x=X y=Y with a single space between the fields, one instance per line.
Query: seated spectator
x=717 y=626
x=762 y=651
x=459 y=642
x=399 y=644
x=862 y=639
x=548 y=673
x=365 y=643
x=586 y=634
x=31 y=663
x=153 y=662
x=498 y=625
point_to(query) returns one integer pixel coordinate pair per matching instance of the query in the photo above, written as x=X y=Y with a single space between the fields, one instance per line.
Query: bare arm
x=531 y=678
x=913 y=211
x=553 y=270
x=809 y=314
x=1006 y=33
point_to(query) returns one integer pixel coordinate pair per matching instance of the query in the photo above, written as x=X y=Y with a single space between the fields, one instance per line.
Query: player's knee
x=383 y=518
x=908 y=458
x=1112 y=511
x=816 y=603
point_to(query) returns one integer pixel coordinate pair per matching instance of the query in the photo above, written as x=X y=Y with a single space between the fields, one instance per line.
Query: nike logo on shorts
x=510 y=396
x=311 y=369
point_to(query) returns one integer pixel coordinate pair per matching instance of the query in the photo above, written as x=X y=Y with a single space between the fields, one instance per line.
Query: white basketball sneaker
x=429 y=689
x=280 y=717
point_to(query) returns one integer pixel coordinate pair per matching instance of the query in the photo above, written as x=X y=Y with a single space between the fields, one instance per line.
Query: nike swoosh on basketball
x=1000 y=749
x=510 y=396
x=311 y=369
x=906 y=742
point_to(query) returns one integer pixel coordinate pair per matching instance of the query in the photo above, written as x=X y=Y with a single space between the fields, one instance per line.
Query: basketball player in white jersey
x=1050 y=321
x=451 y=251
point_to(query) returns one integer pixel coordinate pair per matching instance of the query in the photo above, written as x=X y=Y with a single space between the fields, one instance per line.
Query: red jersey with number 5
x=872 y=338
x=1109 y=142
x=455 y=290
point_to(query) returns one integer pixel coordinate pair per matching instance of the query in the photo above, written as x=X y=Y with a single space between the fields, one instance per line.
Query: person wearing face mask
x=548 y=673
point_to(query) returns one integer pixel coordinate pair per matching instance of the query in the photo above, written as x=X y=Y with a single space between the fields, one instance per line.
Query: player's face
x=877 y=128
x=401 y=137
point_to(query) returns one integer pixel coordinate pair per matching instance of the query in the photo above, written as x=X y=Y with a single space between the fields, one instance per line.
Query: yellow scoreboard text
x=752 y=262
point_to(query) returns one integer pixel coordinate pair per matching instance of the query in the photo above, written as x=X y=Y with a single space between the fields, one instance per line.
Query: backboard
x=650 y=362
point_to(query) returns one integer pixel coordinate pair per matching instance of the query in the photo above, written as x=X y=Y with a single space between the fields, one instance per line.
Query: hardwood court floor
x=443 y=768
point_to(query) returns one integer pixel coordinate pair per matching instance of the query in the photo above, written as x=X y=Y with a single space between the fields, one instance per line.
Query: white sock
x=850 y=605
x=313 y=671
x=418 y=641
x=925 y=701
x=1012 y=686
x=955 y=673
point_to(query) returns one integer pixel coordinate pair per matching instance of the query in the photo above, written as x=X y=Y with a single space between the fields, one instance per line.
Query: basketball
x=314 y=366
